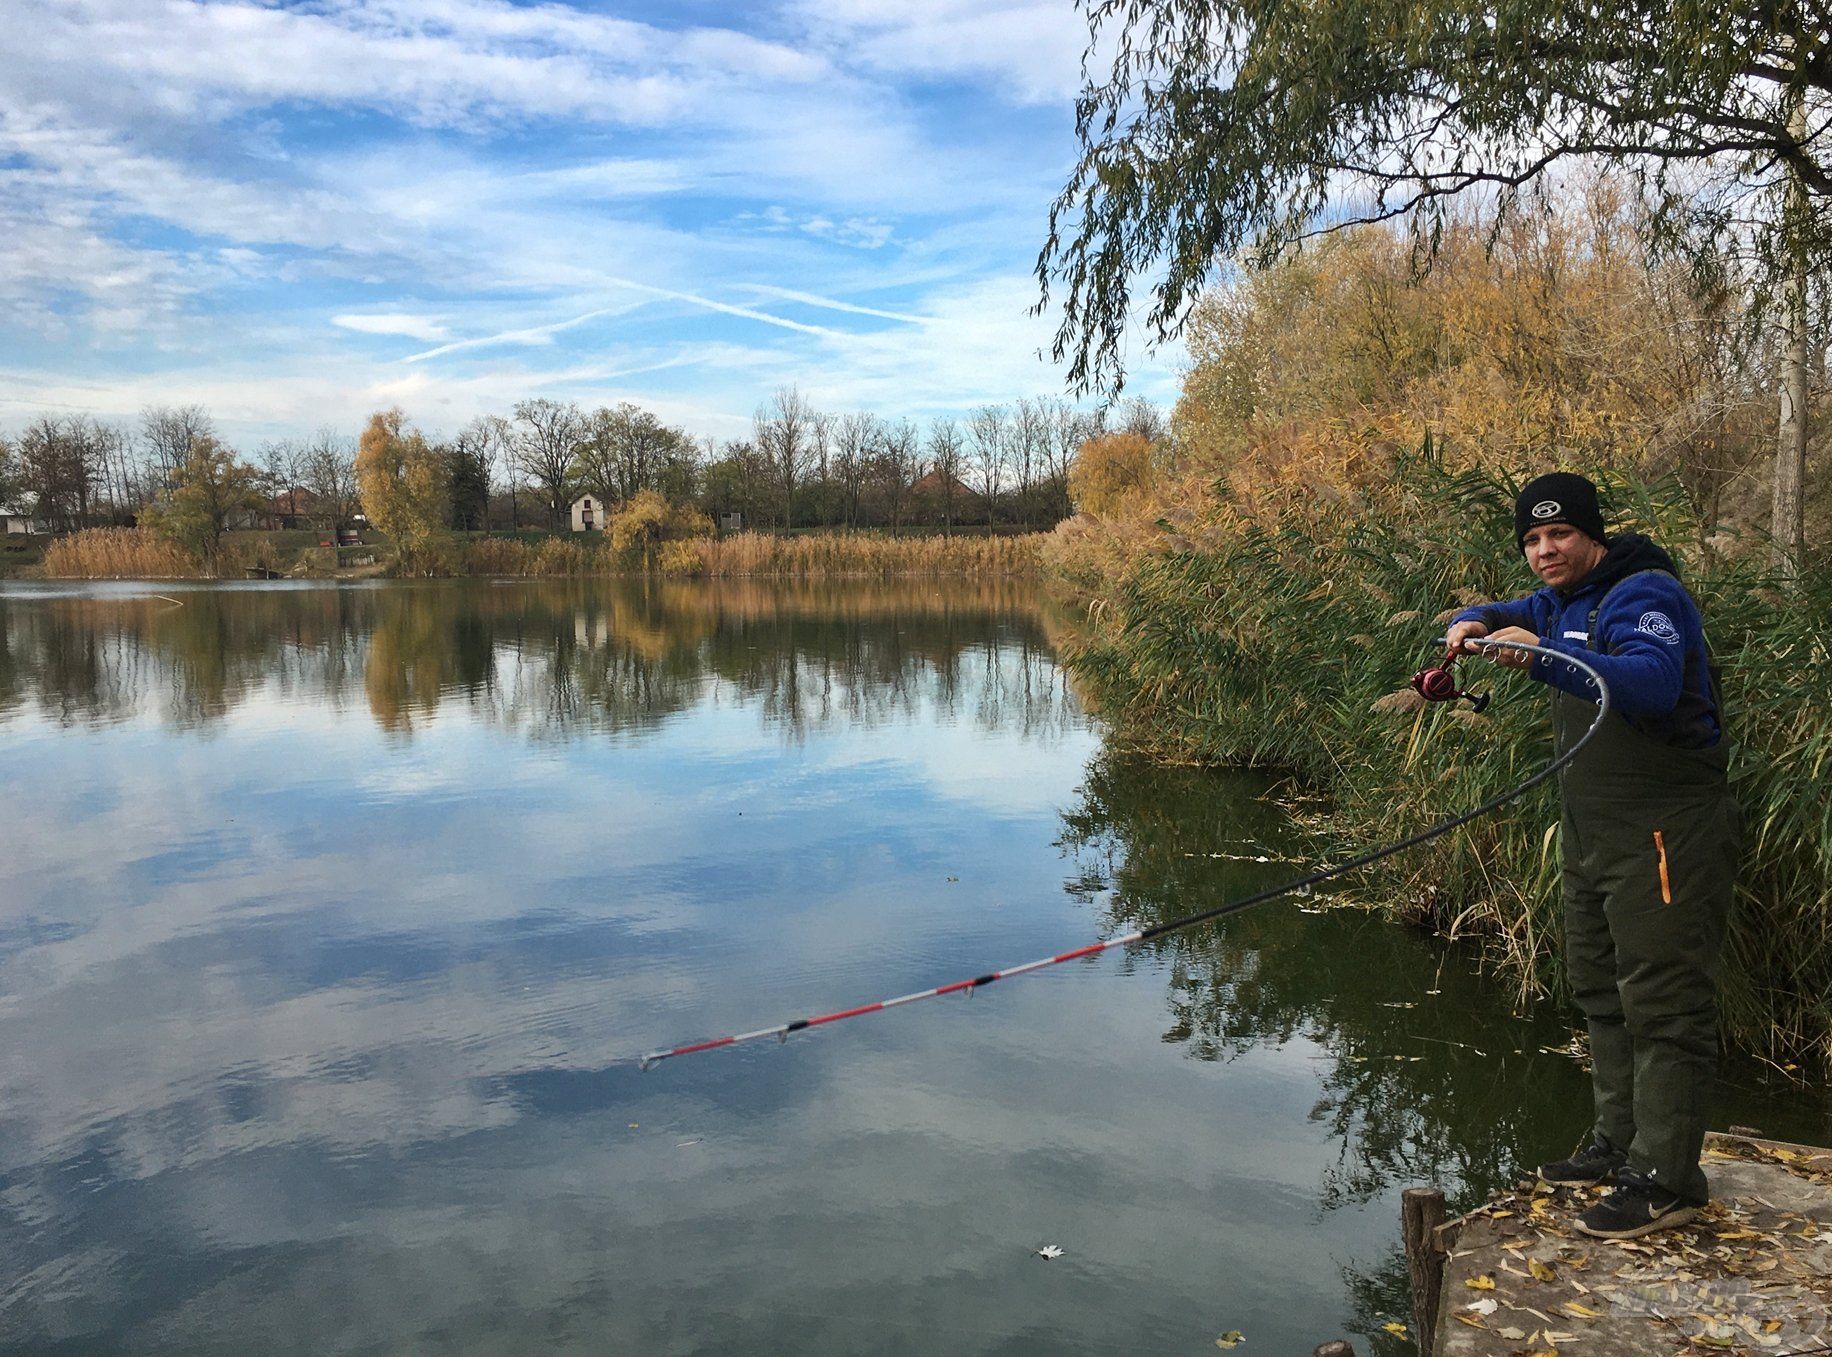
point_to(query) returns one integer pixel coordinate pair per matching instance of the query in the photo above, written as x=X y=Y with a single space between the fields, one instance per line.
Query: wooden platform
x=1752 y=1275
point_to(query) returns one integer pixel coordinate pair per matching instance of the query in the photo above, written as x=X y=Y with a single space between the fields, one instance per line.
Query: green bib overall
x=1649 y=836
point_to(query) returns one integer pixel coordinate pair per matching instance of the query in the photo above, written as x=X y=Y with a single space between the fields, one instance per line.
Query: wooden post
x=1336 y=1349
x=1421 y=1211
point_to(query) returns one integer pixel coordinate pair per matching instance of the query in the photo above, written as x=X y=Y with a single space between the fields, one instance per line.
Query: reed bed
x=119 y=554
x=1283 y=638
x=552 y=557
x=851 y=553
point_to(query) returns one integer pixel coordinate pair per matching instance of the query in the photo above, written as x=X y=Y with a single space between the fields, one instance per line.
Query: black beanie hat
x=1557 y=498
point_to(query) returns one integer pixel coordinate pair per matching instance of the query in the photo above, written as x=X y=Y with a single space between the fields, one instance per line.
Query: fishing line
x=1435 y=684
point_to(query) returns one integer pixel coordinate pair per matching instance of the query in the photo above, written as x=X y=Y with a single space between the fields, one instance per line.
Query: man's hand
x=1457 y=637
x=1513 y=659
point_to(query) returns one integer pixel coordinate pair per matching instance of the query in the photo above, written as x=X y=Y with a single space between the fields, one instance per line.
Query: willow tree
x=1230 y=130
x=406 y=489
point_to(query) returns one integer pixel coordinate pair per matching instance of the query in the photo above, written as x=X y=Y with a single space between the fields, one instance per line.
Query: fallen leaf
x=1474 y=1321
x=1484 y=1282
x=1233 y=1338
x=1482 y=1307
x=1543 y=1271
x=1513 y=1333
x=1050 y=1251
x=1393 y=1326
x=1584 y=1311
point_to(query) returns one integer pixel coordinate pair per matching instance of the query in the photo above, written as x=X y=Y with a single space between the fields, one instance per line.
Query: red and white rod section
x=782 y=1030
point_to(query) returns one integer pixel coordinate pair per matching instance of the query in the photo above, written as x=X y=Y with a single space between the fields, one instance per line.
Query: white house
x=15 y=520
x=588 y=512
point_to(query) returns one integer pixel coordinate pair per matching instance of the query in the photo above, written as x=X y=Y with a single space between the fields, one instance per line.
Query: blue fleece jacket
x=1650 y=643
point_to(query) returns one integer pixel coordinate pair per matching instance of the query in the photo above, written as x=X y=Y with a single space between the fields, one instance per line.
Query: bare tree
x=855 y=437
x=169 y=432
x=327 y=464
x=1029 y=444
x=1141 y=417
x=548 y=437
x=945 y=450
x=61 y=464
x=281 y=461
x=899 y=465
x=1069 y=428
x=785 y=435
x=987 y=432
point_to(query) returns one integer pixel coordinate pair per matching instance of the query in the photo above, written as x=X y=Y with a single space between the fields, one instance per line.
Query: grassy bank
x=1277 y=635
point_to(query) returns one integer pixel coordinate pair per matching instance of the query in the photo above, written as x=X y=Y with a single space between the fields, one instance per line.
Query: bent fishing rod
x=1434 y=684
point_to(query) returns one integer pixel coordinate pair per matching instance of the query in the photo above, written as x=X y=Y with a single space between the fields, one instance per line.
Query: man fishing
x=1649 y=837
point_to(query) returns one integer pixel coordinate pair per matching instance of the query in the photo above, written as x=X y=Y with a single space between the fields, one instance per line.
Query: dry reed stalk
x=116 y=554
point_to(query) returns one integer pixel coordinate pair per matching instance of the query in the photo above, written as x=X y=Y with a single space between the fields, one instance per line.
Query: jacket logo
x=1546 y=508
x=1659 y=626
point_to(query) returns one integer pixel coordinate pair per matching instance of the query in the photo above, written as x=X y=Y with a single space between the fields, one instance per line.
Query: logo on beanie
x=1659 y=626
x=1546 y=508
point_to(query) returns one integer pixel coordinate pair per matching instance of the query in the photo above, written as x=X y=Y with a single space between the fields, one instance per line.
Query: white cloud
x=393 y=323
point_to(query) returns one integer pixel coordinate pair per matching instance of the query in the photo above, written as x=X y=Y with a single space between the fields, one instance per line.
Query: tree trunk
x=1789 y=525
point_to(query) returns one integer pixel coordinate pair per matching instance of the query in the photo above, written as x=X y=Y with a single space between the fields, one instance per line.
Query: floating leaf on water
x=1050 y=1251
x=1233 y=1338
x=1393 y=1326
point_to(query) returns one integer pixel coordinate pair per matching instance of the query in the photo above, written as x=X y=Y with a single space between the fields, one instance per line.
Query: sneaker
x=1635 y=1208
x=1595 y=1163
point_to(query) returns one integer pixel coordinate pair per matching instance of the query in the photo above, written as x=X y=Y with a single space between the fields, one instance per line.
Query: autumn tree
x=406 y=489
x=207 y=489
x=647 y=520
x=1245 y=127
x=1111 y=471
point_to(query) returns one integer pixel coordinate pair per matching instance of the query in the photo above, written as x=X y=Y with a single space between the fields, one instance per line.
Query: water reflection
x=548 y=659
x=328 y=912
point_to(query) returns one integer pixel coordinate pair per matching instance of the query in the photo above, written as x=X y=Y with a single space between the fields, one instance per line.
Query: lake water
x=329 y=918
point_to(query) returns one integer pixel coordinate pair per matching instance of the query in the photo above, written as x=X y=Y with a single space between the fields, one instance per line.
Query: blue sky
x=294 y=213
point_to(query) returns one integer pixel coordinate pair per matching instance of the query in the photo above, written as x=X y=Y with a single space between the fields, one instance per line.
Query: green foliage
x=468 y=473
x=1284 y=640
x=208 y=487
x=1249 y=125
x=406 y=491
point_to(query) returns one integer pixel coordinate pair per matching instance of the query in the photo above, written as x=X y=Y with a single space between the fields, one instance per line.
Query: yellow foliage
x=1110 y=472
x=1549 y=340
x=406 y=491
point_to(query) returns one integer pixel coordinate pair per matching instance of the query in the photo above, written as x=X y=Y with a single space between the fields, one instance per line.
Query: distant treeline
x=800 y=467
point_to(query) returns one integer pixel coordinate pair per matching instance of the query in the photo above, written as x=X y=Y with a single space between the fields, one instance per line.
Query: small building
x=15 y=521
x=293 y=507
x=731 y=522
x=588 y=513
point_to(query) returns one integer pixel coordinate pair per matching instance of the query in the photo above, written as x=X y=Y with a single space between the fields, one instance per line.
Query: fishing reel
x=1438 y=684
